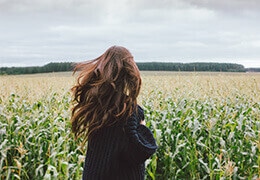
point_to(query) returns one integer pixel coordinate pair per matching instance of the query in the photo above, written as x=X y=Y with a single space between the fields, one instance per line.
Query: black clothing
x=119 y=152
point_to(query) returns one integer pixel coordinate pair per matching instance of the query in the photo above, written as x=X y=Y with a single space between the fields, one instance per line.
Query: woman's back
x=119 y=152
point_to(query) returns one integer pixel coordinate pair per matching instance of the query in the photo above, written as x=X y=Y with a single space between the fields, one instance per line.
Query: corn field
x=207 y=126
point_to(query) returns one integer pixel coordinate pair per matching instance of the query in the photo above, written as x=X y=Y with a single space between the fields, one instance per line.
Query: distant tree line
x=143 y=66
x=160 y=66
x=253 y=69
x=51 y=67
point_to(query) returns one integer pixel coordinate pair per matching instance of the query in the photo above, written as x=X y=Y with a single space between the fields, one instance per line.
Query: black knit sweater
x=119 y=153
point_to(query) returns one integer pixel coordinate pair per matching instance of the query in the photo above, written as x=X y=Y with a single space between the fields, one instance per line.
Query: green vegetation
x=149 y=66
x=217 y=67
x=36 y=142
x=205 y=139
x=206 y=125
x=51 y=67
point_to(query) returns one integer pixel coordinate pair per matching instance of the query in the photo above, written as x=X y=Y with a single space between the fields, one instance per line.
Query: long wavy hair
x=105 y=93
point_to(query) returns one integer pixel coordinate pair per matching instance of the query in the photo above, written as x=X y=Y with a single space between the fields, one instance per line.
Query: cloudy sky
x=36 y=32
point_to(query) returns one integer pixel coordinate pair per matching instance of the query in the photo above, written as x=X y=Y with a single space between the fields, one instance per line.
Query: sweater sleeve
x=142 y=144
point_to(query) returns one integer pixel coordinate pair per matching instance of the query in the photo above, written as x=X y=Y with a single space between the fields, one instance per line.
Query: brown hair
x=106 y=91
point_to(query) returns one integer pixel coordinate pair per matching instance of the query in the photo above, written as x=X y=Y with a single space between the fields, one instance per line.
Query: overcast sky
x=36 y=32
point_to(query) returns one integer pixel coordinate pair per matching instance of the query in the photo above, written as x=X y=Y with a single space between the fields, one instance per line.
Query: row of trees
x=51 y=67
x=253 y=69
x=158 y=66
x=148 y=66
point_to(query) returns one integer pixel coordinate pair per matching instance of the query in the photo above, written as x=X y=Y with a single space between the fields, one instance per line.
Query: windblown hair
x=106 y=92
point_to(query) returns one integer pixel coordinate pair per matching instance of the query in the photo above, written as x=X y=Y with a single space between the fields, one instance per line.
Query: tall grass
x=36 y=142
x=207 y=126
x=205 y=139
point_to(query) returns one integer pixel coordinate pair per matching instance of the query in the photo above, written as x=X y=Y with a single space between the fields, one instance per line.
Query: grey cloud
x=38 y=5
x=46 y=5
x=227 y=6
x=57 y=11
x=169 y=30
